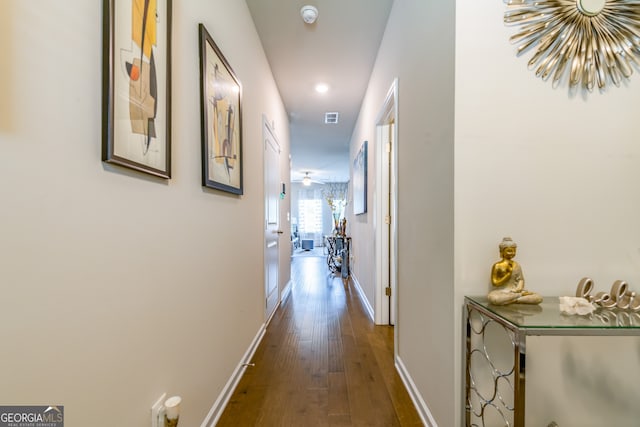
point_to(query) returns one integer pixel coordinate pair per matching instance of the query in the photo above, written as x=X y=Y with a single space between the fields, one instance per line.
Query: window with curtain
x=310 y=215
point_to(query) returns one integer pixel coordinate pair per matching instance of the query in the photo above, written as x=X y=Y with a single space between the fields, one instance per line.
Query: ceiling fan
x=306 y=180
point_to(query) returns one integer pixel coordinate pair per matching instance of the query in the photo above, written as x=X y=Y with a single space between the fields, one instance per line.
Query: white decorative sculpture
x=576 y=305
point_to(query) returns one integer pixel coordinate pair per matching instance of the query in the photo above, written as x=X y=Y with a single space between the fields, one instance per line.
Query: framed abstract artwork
x=221 y=109
x=360 y=181
x=136 y=90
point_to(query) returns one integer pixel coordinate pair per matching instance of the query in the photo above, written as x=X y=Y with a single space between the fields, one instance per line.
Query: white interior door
x=272 y=230
x=386 y=218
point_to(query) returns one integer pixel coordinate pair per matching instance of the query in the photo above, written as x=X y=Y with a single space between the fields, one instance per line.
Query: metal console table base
x=338 y=251
x=518 y=321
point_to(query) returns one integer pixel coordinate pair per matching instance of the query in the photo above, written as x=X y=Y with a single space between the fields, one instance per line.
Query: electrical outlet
x=157 y=410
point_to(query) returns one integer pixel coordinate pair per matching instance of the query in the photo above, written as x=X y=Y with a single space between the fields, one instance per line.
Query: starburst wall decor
x=593 y=41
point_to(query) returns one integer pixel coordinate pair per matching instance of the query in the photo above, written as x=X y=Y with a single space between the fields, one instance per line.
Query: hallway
x=322 y=362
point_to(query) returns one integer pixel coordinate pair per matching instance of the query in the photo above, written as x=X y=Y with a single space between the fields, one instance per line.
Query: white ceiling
x=339 y=49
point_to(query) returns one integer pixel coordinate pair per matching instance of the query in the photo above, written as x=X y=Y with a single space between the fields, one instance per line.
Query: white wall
x=117 y=286
x=417 y=48
x=554 y=170
x=549 y=168
x=583 y=381
x=361 y=227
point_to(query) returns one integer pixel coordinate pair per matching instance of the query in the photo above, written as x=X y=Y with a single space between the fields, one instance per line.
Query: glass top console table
x=496 y=343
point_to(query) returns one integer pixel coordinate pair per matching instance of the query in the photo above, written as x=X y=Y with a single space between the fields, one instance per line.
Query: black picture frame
x=136 y=88
x=221 y=119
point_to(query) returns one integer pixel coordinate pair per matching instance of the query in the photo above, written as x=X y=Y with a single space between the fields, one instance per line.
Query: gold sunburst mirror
x=593 y=41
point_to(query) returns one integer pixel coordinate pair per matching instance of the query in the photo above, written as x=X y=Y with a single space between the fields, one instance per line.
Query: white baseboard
x=218 y=407
x=416 y=397
x=363 y=297
x=286 y=292
x=421 y=406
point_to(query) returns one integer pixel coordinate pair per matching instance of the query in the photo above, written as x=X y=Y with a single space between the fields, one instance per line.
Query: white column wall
x=552 y=169
x=417 y=48
x=117 y=286
x=555 y=170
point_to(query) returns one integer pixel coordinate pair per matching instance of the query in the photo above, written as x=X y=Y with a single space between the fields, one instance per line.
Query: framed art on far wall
x=360 y=181
x=136 y=90
x=221 y=113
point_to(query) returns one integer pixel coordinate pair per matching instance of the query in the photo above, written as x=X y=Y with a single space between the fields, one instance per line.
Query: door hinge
x=387 y=219
x=387 y=291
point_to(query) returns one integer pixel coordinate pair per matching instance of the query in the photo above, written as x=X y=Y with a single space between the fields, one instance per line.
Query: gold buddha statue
x=506 y=276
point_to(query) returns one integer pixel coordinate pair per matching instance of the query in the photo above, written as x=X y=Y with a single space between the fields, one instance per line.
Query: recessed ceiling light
x=322 y=88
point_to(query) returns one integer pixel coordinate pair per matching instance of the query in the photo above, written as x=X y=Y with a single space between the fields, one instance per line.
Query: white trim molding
x=363 y=297
x=218 y=407
x=386 y=206
x=286 y=292
x=421 y=405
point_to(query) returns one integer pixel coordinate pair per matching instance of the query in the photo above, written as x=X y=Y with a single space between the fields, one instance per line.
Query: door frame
x=386 y=238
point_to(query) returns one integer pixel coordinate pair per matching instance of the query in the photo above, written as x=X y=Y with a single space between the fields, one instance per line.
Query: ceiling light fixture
x=309 y=14
x=322 y=88
x=306 y=180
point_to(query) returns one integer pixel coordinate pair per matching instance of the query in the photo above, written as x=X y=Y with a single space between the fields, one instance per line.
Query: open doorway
x=386 y=209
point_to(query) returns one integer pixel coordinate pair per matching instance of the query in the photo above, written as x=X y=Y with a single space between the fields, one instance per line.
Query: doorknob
x=278 y=231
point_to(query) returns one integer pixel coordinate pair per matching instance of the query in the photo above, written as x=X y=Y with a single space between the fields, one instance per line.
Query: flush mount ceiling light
x=594 y=41
x=322 y=88
x=309 y=14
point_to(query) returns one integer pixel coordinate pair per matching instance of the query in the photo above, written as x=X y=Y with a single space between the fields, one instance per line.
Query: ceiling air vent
x=330 y=118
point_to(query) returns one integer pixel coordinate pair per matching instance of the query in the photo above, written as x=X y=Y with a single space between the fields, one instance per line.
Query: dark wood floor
x=322 y=362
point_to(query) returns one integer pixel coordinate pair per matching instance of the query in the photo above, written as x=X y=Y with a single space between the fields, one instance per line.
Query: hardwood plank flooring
x=322 y=362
